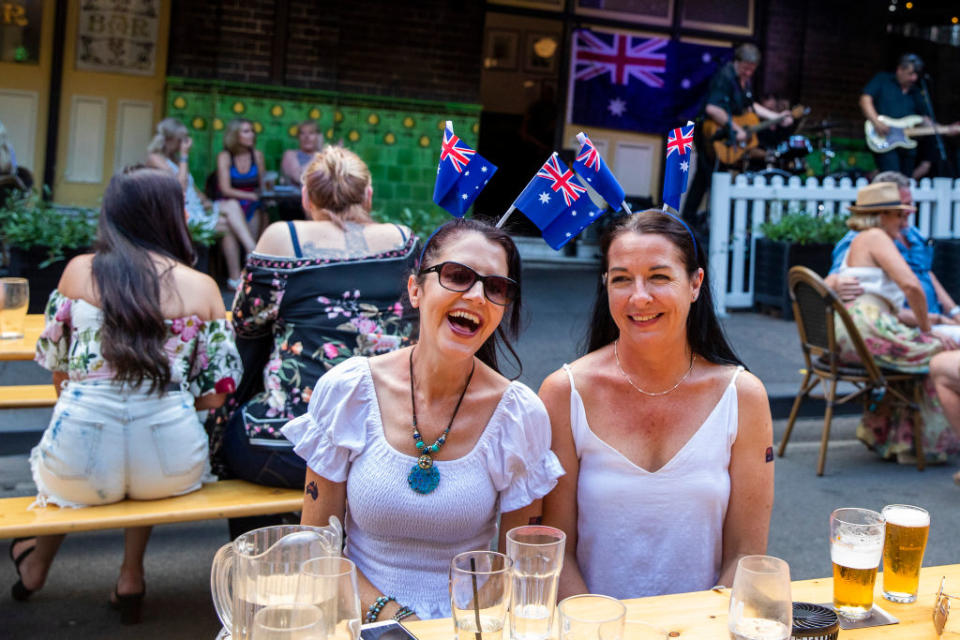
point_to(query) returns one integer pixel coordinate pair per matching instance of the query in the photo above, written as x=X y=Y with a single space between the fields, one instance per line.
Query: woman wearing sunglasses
x=427 y=443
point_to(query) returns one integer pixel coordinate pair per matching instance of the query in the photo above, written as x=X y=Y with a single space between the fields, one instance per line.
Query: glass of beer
x=14 y=299
x=856 y=546
x=906 y=540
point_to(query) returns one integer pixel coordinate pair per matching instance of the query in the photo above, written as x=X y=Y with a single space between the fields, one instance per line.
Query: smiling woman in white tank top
x=665 y=439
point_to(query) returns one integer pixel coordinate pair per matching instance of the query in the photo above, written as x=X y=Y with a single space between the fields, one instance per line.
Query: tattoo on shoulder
x=536 y=520
x=312 y=489
x=769 y=454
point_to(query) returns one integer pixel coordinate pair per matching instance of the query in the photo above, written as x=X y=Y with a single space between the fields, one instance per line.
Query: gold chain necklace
x=616 y=353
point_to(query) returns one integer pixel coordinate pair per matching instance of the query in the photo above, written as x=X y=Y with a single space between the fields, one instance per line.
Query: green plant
x=202 y=235
x=420 y=221
x=799 y=227
x=27 y=221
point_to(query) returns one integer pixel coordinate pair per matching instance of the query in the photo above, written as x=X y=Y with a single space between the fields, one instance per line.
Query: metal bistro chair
x=816 y=309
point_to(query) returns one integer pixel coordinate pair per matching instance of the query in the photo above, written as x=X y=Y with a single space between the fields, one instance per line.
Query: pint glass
x=856 y=545
x=906 y=540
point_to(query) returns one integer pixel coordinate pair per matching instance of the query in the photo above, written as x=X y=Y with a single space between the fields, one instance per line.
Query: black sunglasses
x=454 y=276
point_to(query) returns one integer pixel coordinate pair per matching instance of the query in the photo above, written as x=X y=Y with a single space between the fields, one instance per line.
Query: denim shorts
x=107 y=442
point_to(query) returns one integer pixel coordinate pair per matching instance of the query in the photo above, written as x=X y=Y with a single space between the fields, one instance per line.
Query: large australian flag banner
x=638 y=83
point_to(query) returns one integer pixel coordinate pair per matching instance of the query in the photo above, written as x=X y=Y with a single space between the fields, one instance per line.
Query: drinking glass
x=479 y=594
x=537 y=554
x=14 y=298
x=761 y=607
x=903 y=547
x=330 y=584
x=856 y=545
x=591 y=617
x=288 y=622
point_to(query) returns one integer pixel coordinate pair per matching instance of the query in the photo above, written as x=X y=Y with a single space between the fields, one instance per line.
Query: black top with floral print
x=310 y=314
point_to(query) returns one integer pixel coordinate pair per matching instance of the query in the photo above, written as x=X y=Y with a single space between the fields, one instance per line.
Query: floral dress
x=885 y=427
x=202 y=354
x=297 y=318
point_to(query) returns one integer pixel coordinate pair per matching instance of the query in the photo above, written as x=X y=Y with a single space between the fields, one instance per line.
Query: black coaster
x=877 y=618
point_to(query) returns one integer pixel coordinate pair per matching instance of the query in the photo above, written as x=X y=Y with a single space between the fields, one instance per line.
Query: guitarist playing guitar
x=886 y=99
x=730 y=94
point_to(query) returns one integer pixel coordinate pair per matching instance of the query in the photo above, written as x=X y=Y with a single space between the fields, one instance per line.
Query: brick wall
x=428 y=50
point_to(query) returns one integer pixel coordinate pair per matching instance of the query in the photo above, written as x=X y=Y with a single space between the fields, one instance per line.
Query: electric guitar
x=902 y=131
x=750 y=123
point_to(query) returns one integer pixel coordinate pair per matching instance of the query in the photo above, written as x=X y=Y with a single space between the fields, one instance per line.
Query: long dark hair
x=142 y=212
x=449 y=231
x=704 y=333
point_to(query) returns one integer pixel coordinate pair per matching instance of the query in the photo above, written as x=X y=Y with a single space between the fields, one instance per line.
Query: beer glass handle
x=221 y=584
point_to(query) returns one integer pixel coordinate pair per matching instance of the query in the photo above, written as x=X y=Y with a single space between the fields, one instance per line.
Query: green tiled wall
x=399 y=140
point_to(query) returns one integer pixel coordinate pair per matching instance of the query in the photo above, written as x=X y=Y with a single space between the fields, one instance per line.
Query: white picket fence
x=739 y=206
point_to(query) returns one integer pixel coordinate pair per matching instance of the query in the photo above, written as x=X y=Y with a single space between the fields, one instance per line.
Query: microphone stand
x=925 y=92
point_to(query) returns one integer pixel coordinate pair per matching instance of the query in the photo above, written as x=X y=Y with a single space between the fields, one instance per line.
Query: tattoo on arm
x=312 y=490
x=536 y=520
x=769 y=454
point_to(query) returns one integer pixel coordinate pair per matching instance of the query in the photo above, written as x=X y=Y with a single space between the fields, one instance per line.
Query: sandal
x=18 y=591
x=129 y=605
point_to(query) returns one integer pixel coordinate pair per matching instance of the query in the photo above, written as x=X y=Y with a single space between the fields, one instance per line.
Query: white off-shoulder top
x=401 y=540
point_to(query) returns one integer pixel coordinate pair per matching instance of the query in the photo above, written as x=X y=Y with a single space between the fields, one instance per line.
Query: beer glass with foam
x=856 y=545
x=906 y=540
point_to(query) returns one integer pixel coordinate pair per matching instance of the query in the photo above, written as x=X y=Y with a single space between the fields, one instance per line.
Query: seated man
x=944 y=312
x=295 y=160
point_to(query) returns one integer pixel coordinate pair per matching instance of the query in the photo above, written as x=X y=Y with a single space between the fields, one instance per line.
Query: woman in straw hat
x=886 y=279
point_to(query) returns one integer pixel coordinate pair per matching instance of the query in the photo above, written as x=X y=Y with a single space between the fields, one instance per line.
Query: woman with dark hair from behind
x=665 y=439
x=137 y=343
x=426 y=444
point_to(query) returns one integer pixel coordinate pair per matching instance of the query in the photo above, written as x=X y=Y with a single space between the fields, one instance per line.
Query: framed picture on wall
x=500 y=49
x=540 y=52
x=550 y=5
x=646 y=11
x=730 y=16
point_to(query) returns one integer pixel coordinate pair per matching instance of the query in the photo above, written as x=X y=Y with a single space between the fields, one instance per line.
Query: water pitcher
x=261 y=568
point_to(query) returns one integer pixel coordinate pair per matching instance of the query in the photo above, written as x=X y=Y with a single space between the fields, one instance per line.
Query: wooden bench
x=223 y=499
x=27 y=396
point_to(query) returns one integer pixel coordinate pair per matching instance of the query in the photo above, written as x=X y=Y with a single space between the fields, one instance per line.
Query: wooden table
x=23 y=348
x=703 y=614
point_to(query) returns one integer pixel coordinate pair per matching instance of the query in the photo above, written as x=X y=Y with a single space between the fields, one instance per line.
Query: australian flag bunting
x=638 y=83
x=591 y=167
x=677 y=168
x=557 y=203
x=461 y=175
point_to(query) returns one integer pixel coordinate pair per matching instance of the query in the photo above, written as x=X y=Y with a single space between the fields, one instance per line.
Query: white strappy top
x=874 y=281
x=643 y=533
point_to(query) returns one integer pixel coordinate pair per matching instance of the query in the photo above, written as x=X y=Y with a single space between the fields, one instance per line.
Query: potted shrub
x=39 y=238
x=797 y=238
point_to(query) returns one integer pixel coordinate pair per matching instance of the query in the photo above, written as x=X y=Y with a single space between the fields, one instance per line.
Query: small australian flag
x=679 y=146
x=461 y=175
x=591 y=167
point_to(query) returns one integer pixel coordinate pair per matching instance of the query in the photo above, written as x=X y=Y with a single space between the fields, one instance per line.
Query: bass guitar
x=731 y=153
x=902 y=131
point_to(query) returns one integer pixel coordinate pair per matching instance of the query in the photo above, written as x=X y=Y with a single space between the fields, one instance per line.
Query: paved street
x=72 y=605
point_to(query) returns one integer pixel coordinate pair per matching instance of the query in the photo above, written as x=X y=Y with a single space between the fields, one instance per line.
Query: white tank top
x=874 y=281
x=642 y=533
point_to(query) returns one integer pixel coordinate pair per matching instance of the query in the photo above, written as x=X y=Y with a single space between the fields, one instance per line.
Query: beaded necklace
x=424 y=476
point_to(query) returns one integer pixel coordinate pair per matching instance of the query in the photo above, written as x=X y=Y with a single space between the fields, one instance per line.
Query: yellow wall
x=112 y=86
x=35 y=78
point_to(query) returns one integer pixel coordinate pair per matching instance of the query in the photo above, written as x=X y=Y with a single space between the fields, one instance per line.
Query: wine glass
x=761 y=607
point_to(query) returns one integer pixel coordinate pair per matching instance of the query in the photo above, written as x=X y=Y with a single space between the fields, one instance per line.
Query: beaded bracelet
x=403 y=612
x=374 y=611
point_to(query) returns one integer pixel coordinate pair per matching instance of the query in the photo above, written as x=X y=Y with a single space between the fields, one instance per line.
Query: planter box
x=946 y=265
x=25 y=263
x=774 y=259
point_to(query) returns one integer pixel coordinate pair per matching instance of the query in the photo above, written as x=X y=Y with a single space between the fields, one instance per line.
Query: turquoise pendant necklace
x=424 y=476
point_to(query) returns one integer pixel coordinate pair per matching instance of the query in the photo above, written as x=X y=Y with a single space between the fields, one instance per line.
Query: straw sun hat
x=879 y=197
